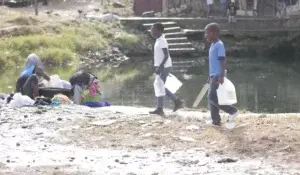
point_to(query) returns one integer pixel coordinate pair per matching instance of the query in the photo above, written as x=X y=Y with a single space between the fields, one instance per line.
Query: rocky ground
x=126 y=140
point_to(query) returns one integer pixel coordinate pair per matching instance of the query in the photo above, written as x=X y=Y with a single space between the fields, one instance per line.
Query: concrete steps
x=180 y=45
x=177 y=40
x=182 y=65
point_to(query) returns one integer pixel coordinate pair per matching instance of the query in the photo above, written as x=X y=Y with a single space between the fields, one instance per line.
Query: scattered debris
x=227 y=160
x=192 y=128
x=118 y=5
x=187 y=139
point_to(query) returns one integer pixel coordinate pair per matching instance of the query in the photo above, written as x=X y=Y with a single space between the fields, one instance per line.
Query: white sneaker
x=232 y=117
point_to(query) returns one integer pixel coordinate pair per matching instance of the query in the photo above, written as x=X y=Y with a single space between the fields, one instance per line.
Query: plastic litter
x=20 y=100
x=159 y=87
x=226 y=93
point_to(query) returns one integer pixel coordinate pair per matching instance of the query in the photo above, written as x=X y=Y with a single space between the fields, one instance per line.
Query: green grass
x=58 y=42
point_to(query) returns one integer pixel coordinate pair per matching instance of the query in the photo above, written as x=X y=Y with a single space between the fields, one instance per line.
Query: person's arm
x=40 y=72
x=222 y=59
x=164 y=47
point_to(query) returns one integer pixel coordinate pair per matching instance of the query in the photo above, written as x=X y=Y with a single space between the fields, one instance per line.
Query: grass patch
x=58 y=42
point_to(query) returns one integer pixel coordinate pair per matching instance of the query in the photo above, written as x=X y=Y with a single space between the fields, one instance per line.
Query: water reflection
x=261 y=87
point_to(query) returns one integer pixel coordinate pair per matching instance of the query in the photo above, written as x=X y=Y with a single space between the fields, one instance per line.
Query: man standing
x=232 y=8
x=210 y=7
x=217 y=64
x=163 y=64
x=223 y=7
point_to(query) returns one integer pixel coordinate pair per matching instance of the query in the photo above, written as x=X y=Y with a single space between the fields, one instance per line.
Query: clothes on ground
x=97 y=104
x=232 y=8
x=42 y=101
x=61 y=99
x=160 y=44
x=216 y=53
x=163 y=75
x=19 y=100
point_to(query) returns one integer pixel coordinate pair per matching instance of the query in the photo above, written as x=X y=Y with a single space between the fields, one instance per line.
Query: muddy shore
x=126 y=140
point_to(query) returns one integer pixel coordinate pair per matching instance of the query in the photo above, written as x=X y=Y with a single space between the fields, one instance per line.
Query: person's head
x=33 y=59
x=212 y=32
x=157 y=30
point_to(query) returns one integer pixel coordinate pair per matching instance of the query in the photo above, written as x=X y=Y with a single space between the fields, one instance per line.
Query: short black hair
x=159 y=26
x=214 y=27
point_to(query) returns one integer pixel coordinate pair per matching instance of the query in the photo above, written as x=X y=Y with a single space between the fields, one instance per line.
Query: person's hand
x=220 y=80
x=158 y=70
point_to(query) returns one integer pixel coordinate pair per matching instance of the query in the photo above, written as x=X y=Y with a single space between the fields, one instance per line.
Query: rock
x=103 y=122
x=18 y=144
x=59 y=119
x=24 y=126
x=192 y=128
x=25 y=116
x=187 y=139
x=148 y=14
x=118 y=5
x=227 y=160
x=8 y=161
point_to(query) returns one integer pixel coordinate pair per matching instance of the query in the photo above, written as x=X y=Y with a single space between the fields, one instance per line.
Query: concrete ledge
x=200 y=23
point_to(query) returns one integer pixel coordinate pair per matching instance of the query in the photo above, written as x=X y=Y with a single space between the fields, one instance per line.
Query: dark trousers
x=214 y=107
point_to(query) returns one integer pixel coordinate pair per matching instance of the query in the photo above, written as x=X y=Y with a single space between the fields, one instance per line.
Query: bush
x=60 y=42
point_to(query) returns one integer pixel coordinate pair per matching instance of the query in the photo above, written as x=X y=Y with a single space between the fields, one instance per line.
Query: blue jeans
x=163 y=75
x=214 y=107
x=223 y=8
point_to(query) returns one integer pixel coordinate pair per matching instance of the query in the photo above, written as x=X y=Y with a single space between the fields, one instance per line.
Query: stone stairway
x=178 y=42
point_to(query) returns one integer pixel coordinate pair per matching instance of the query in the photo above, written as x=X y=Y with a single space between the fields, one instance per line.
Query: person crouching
x=81 y=81
x=28 y=82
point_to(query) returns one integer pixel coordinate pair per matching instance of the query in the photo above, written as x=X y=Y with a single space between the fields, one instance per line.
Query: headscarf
x=33 y=59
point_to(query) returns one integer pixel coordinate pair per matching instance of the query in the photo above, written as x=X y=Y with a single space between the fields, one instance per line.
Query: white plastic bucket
x=226 y=93
x=172 y=83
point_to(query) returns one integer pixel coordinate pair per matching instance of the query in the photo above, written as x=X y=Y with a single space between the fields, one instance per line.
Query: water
x=261 y=86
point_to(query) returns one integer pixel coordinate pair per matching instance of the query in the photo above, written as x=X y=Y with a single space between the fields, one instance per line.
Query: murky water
x=261 y=86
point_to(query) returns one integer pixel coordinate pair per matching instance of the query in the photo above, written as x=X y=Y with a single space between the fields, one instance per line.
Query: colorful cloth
x=97 y=104
x=87 y=98
x=61 y=99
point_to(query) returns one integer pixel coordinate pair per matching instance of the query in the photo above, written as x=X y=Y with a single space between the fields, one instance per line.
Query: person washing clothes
x=28 y=82
x=163 y=64
x=217 y=65
x=82 y=81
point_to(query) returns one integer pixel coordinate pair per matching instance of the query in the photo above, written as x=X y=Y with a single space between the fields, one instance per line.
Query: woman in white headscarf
x=28 y=82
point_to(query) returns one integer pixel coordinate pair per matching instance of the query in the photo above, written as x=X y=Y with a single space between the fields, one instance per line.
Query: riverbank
x=60 y=41
x=126 y=140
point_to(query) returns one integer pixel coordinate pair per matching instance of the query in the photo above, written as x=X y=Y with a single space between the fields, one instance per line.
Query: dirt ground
x=126 y=140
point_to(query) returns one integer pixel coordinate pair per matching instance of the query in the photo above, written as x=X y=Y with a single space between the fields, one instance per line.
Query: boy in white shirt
x=163 y=64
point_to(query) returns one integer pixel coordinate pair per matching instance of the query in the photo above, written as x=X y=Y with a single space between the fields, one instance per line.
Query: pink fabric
x=94 y=88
